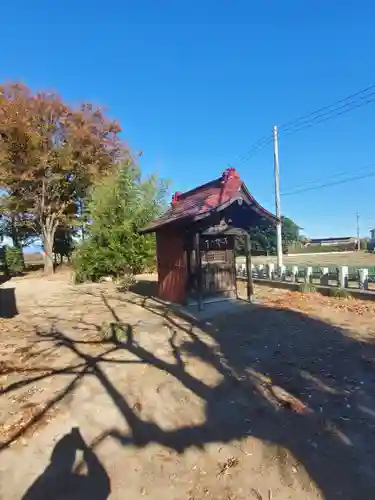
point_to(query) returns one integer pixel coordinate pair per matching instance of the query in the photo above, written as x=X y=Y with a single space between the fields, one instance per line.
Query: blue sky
x=195 y=83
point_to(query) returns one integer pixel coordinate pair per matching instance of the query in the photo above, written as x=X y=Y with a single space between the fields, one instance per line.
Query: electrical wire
x=257 y=146
x=329 y=117
x=321 y=115
x=328 y=184
x=294 y=123
x=335 y=176
x=251 y=153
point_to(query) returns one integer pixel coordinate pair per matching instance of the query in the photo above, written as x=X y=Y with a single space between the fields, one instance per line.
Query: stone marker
x=270 y=271
x=282 y=272
x=324 y=277
x=260 y=269
x=343 y=276
x=308 y=274
x=294 y=273
x=363 y=279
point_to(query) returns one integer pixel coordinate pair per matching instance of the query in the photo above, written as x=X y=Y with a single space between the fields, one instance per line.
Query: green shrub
x=339 y=293
x=306 y=288
x=3 y=267
x=91 y=261
x=115 y=332
x=125 y=282
x=105 y=332
x=14 y=260
x=119 y=207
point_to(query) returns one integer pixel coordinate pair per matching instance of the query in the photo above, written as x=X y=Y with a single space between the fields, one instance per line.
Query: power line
x=293 y=123
x=329 y=117
x=321 y=115
x=257 y=146
x=329 y=184
x=339 y=174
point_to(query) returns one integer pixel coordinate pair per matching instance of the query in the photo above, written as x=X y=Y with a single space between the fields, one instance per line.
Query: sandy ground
x=355 y=259
x=111 y=395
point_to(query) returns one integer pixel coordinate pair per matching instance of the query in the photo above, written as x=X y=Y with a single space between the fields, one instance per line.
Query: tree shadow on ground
x=145 y=288
x=261 y=354
x=61 y=480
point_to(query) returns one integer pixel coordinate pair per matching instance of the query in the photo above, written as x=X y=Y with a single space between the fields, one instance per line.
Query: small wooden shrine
x=196 y=240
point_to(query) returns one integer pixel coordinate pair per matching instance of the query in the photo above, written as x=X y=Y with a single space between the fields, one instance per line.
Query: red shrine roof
x=215 y=195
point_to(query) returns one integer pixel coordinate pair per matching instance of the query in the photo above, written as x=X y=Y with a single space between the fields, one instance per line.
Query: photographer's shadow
x=61 y=480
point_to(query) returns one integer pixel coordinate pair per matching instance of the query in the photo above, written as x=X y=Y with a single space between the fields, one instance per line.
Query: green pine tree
x=118 y=208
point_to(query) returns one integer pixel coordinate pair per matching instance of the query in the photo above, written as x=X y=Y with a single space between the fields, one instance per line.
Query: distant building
x=371 y=243
x=341 y=240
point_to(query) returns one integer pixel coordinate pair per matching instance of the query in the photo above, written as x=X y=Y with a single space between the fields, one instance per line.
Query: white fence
x=343 y=276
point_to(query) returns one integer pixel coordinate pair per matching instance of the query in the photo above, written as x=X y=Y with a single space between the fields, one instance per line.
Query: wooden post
x=198 y=262
x=189 y=281
x=237 y=272
x=250 y=287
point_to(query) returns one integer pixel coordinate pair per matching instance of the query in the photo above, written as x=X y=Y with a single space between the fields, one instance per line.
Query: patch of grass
x=77 y=279
x=339 y=293
x=105 y=331
x=125 y=282
x=119 y=332
x=306 y=288
x=115 y=332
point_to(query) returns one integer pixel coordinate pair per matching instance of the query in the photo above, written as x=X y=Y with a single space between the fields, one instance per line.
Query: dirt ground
x=355 y=259
x=112 y=395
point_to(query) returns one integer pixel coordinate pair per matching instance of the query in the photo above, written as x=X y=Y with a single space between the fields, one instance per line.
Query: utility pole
x=279 y=245
x=358 y=240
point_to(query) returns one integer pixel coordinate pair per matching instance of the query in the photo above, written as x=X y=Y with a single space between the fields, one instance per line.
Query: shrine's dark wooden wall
x=171 y=263
x=178 y=271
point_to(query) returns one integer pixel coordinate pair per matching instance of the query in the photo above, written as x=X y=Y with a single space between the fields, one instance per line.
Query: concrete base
x=208 y=300
x=216 y=308
x=324 y=290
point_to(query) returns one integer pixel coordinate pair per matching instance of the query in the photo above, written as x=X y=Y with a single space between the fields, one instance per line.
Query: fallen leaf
x=256 y=494
x=228 y=464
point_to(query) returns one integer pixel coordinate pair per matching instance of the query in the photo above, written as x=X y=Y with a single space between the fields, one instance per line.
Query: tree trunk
x=16 y=240
x=49 y=267
x=48 y=235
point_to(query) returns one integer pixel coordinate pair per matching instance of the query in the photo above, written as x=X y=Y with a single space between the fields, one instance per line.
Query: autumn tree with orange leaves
x=50 y=154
